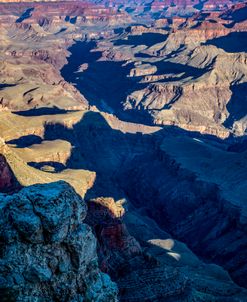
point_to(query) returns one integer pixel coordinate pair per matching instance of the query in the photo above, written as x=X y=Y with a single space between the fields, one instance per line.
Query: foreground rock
x=48 y=253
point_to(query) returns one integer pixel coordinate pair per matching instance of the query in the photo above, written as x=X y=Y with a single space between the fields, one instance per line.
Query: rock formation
x=141 y=107
x=116 y=245
x=47 y=252
x=8 y=182
x=7 y=178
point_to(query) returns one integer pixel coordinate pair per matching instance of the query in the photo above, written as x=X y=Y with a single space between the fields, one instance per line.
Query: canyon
x=123 y=150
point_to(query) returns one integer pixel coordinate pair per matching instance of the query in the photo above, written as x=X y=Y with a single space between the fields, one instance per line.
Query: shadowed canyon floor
x=139 y=111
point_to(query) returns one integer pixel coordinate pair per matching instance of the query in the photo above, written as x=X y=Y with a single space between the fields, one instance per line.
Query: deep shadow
x=235 y=16
x=56 y=166
x=237 y=106
x=147 y=39
x=73 y=20
x=239 y=147
x=105 y=84
x=25 y=141
x=175 y=69
x=202 y=16
x=133 y=165
x=27 y=14
x=233 y=42
x=199 y=6
x=42 y=111
x=166 y=67
x=143 y=55
x=2 y=86
x=119 y=31
x=96 y=147
x=61 y=30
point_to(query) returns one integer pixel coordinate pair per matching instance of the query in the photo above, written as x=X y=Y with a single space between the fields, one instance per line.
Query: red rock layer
x=7 y=179
x=85 y=11
x=115 y=242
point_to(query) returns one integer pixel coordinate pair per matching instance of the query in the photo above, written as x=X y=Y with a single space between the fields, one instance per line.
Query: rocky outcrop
x=121 y=255
x=7 y=178
x=47 y=252
x=116 y=245
x=142 y=70
x=8 y=182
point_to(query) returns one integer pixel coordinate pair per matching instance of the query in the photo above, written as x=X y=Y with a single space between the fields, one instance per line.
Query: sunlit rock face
x=116 y=245
x=48 y=253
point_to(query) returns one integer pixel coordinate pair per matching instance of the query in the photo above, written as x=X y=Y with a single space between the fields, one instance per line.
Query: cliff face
x=47 y=252
x=7 y=179
x=198 y=210
x=142 y=265
x=115 y=244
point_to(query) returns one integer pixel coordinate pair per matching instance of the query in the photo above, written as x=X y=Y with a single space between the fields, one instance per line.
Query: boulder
x=47 y=252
